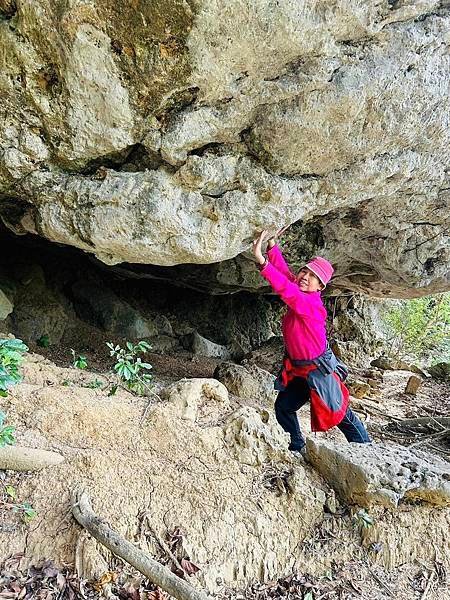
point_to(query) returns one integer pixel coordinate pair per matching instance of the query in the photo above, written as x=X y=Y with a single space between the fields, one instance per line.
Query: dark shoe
x=300 y=454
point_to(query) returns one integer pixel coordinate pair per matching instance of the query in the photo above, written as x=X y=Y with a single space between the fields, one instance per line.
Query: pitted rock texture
x=197 y=398
x=170 y=132
x=247 y=381
x=367 y=474
x=254 y=436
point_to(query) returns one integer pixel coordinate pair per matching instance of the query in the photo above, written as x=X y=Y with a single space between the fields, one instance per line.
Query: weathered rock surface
x=6 y=306
x=440 y=371
x=413 y=385
x=268 y=356
x=165 y=134
x=367 y=474
x=247 y=381
x=100 y=306
x=395 y=364
x=39 y=309
x=254 y=436
x=197 y=397
x=248 y=511
x=236 y=526
x=201 y=346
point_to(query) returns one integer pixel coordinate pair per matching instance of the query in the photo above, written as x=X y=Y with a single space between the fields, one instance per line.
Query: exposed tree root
x=154 y=571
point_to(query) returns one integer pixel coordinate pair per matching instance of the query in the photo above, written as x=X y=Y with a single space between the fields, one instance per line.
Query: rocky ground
x=207 y=471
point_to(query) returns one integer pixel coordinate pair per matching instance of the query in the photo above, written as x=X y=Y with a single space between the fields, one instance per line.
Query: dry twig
x=428 y=587
x=433 y=436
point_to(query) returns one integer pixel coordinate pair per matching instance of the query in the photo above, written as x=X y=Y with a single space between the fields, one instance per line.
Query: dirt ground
x=383 y=408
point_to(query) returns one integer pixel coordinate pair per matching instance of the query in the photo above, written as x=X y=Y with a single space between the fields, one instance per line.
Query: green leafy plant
x=43 y=341
x=129 y=366
x=6 y=433
x=11 y=357
x=11 y=491
x=420 y=328
x=79 y=360
x=94 y=384
x=27 y=512
x=363 y=520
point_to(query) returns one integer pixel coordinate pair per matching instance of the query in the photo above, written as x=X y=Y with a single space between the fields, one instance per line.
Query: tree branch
x=153 y=570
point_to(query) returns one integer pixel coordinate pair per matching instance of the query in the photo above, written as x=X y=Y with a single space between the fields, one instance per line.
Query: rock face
x=440 y=371
x=247 y=381
x=197 y=397
x=254 y=436
x=163 y=133
x=367 y=474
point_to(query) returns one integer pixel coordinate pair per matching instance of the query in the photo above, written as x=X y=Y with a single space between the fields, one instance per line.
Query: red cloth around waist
x=322 y=416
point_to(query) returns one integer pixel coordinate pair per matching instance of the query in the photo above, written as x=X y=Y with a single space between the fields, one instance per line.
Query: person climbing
x=310 y=372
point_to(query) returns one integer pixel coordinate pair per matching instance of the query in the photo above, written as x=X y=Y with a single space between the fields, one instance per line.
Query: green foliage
x=420 y=328
x=363 y=520
x=6 y=433
x=11 y=357
x=129 y=366
x=94 y=384
x=79 y=361
x=43 y=341
x=27 y=512
x=11 y=491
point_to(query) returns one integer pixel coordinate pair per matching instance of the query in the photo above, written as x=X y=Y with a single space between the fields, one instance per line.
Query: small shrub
x=420 y=328
x=129 y=366
x=43 y=341
x=27 y=512
x=79 y=361
x=11 y=358
x=6 y=433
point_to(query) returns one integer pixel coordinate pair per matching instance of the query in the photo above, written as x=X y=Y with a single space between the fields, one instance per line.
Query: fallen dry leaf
x=189 y=567
x=105 y=579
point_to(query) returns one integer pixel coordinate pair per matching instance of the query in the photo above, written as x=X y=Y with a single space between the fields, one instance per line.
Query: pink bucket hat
x=322 y=268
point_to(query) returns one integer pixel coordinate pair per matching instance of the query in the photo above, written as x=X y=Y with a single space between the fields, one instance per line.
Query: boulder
x=358 y=388
x=197 y=398
x=267 y=356
x=247 y=381
x=350 y=352
x=163 y=344
x=395 y=364
x=100 y=306
x=386 y=474
x=201 y=346
x=440 y=371
x=38 y=308
x=168 y=136
x=255 y=437
x=6 y=306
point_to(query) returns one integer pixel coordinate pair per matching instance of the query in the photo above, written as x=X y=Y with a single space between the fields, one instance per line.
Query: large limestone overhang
x=154 y=134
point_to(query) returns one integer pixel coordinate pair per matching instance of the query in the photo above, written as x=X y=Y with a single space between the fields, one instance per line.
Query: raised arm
x=303 y=303
x=276 y=259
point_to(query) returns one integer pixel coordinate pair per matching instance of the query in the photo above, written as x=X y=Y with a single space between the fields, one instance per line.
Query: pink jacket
x=303 y=325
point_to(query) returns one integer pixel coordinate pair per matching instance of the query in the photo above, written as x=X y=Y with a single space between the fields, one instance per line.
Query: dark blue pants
x=294 y=397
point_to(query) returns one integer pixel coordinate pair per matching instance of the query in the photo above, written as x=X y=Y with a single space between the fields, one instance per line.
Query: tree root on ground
x=17 y=458
x=150 y=568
